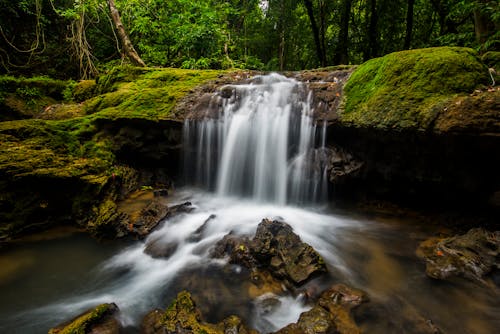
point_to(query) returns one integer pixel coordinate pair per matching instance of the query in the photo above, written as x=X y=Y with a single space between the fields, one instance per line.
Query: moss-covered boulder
x=408 y=89
x=99 y=320
x=22 y=98
x=182 y=316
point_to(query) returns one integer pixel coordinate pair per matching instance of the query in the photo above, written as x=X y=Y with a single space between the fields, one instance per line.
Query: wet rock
x=157 y=248
x=472 y=255
x=150 y=217
x=237 y=248
x=198 y=234
x=274 y=248
x=99 y=320
x=342 y=165
x=315 y=321
x=279 y=249
x=182 y=316
x=331 y=314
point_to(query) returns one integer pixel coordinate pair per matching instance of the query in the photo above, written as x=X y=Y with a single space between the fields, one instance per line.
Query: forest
x=77 y=38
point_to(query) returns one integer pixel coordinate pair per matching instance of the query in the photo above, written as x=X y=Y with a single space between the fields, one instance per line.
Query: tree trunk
x=409 y=24
x=448 y=26
x=483 y=25
x=315 y=30
x=127 y=45
x=372 y=45
x=342 y=56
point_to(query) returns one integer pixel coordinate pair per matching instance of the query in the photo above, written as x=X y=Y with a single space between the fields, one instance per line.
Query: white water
x=262 y=146
x=140 y=282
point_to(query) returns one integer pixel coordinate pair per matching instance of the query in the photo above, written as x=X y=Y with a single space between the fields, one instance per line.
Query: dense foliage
x=73 y=38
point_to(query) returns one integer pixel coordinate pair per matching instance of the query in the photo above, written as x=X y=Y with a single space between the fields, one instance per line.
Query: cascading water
x=261 y=151
x=260 y=145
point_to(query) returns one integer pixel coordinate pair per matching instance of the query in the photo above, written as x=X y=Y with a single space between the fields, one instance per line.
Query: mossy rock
x=84 y=90
x=182 y=316
x=101 y=316
x=408 y=89
x=27 y=97
x=148 y=93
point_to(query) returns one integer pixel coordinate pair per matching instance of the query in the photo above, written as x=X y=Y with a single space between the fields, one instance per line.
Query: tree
x=409 y=24
x=128 y=47
x=319 y=42
x=341 y=54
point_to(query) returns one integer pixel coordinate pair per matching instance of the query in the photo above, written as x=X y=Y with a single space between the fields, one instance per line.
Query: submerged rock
x=182 y=316
x=472 y=255
x=100 y=320
x=274 y=248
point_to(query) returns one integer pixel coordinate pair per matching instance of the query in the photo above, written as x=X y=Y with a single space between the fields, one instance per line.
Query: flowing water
x=254 y=162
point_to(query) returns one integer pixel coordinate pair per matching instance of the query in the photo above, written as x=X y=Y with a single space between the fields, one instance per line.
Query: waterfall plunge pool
x=46 y=282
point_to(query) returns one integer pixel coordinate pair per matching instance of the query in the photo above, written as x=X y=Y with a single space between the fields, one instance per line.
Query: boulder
x=472 y=255
x=275 y=248
x=100 y=320
x=279 y=249
x=182 y=317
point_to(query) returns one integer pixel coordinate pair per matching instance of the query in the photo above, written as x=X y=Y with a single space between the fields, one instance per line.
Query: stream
x=45 y=282
x=261 y=157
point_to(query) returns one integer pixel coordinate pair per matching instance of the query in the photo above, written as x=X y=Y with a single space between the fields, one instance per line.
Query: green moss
x=28 y=97
x=492 y=59
x=407 y=89
x=183 y=313
x=84 y=90
x=81 y=325
x=149 y=93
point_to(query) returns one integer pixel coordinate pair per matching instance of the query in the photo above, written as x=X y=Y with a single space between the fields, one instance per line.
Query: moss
x=184 y=314
x=84 y=90
x=148 y=93
x=26 y=97
x=492 y=59
x=82 y=324
x=407 y=90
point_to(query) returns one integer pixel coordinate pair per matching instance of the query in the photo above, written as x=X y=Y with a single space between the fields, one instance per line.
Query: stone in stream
x=473 y=255
x=183 y=317
x=331 y=314
x=274 y=248
x=100 y=320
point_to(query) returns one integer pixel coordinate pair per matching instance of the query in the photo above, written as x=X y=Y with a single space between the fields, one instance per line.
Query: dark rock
x=100 y=320
x=185 y=207
x=182 y=316
x=150 y=217
x=342 y=165
x=274 y=248
x=159 y=249
x=198 y=234
x=472 y=255
x=278 y=248
x=237 y=248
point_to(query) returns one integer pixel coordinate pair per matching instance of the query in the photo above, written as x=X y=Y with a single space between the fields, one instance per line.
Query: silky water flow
x=262 y=155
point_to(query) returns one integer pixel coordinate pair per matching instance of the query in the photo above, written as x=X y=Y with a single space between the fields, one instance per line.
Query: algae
x=408 y=89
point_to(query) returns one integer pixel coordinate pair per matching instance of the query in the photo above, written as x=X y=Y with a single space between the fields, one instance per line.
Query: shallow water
x=45 y=282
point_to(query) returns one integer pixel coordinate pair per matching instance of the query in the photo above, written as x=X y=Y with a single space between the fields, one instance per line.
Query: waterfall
x=260 y=144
